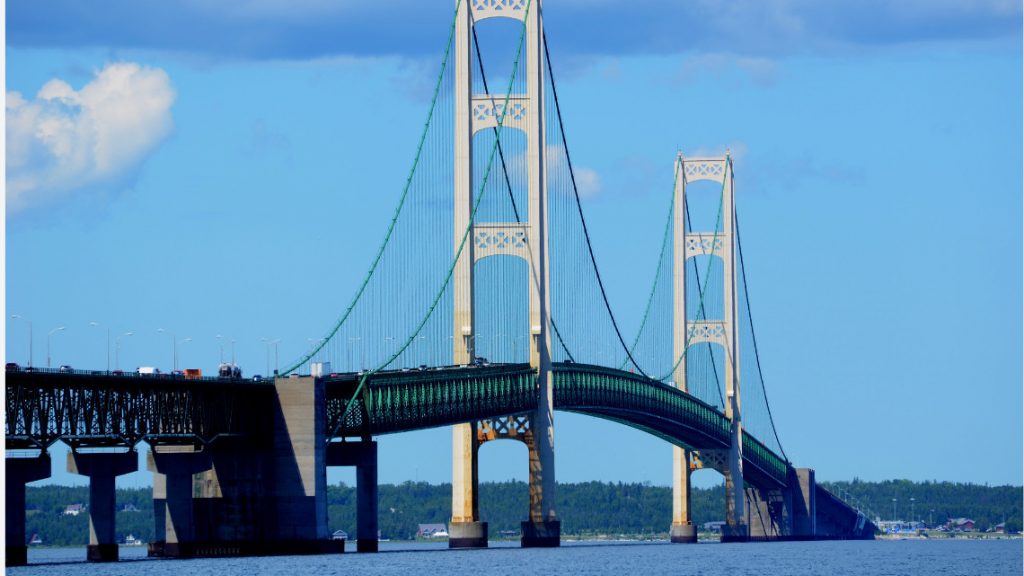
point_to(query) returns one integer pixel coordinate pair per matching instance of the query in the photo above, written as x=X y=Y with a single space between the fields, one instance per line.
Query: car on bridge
x=65 y=369
x=13 y=367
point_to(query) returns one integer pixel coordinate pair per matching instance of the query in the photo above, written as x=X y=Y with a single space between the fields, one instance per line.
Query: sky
x=186 y=170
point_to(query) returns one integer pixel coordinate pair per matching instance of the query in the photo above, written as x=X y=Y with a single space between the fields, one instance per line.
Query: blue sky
x=193 y=153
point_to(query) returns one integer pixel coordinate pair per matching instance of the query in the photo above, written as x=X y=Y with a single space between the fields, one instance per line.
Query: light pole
x=117 y=349
x=893 y=509
x=186 y=340
x=174 y=348
x=48 y=335
x=220 y=341
x=911 y=509
x=275 y=343
x=97 y=324
x=266 y=342
x=931 y=520
x=20 y=317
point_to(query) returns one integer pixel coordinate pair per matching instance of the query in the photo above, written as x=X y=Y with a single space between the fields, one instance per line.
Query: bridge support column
x=770 y=515
x=102 y=468
x=543 y=529
x=362 y=455
x=465 y=529
x=803 y=486
x=20 y=471
x=735 y=528
x=156 y=547
x=682 y=531
x=178 y=464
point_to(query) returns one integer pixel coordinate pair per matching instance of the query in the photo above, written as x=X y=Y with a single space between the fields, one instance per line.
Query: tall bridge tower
x=473 y=113
x=719 y=243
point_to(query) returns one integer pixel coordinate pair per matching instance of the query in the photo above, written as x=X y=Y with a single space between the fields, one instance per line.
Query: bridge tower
x=475 y=112
x=718 y=243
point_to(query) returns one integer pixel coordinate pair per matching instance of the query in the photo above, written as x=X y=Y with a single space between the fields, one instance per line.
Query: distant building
x=715 y=527
x=129 y=507
x=1001 y=528
x=960 y=524
x=74 y=509
x=432 y=531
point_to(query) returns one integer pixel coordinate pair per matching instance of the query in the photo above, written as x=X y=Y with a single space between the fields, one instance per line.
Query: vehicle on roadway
x=65 y=369
x=13 y=367
x=148 y=371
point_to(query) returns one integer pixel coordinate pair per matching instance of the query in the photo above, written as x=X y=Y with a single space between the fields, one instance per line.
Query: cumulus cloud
x=65 y=140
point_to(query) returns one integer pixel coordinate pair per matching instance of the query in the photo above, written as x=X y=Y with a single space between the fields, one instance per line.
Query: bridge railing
x=654 y=405
x=769 y=463
x=414 y=399
x=134 y=375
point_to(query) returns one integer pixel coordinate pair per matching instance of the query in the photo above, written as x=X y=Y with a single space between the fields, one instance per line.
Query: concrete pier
x=362 y=455
x=102 y=468
x=20 y=471
x=177 y=464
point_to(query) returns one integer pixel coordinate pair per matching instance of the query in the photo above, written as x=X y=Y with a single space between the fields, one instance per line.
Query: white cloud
x=64 y=140
x=587 y=182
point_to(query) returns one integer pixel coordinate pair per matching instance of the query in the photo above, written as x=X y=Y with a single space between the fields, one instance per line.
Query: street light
x=275 y=343
x=174 y=348
x=911 y=508
x=186 y=340
x=893 y=509
x=117 y=349
x=97 y=324
x=266 y=342
x=48 y=335
x=20 y=317
x=220 y=340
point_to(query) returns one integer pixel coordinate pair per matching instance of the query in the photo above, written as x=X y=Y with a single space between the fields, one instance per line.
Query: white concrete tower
x=527 y=240
x=723 y=332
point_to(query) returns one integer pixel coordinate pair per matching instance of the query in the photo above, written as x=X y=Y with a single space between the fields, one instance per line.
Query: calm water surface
x=907 y=557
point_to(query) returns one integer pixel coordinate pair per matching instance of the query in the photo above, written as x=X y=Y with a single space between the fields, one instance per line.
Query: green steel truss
x=414 y=399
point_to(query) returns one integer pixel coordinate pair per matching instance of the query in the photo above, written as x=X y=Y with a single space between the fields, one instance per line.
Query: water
x=941 y=557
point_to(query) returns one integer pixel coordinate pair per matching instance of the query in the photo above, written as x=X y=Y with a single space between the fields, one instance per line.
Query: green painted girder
x=400 y=401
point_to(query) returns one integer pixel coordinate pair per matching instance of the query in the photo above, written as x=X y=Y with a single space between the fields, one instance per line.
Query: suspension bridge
x=484 y=309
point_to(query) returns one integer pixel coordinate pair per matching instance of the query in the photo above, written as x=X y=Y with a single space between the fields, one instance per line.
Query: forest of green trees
x=586 y=509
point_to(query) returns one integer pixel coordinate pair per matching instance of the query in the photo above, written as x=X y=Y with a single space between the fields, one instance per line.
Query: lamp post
x=117 y=349
x=185 y=340
x=266 y=342
x=275 y=343
x=912 y=509
x=220 y=341
x=20 y=317
x=174 y=347
x=97 y=324
x=48 y=335
x=893 y=509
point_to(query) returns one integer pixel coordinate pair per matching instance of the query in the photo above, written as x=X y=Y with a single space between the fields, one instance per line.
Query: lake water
x=906 y=557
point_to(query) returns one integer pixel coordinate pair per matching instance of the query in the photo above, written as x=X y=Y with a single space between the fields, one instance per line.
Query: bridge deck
x=101 y=408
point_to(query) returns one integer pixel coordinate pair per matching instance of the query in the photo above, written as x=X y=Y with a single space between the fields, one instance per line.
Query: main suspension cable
x=579 y=207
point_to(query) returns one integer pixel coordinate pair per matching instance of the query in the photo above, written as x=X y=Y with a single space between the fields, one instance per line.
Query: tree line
x=585 y=509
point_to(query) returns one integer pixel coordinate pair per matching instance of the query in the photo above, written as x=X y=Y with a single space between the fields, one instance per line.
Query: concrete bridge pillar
x=362 y=455
x=682 y=530
x=19 y=471
x=465 y=529
x=177 y=465
x=102 y=468
x=735 y=528
x=803 y=487
x=769 y=513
